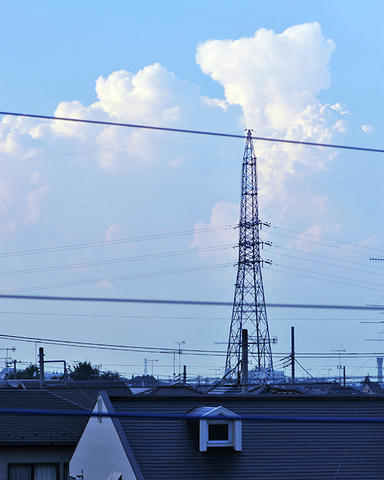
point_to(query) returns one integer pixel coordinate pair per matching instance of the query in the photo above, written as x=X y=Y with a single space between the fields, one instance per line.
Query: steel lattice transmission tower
x=249 y=311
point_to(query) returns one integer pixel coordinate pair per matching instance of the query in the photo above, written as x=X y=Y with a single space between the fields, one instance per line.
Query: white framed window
x=218 y=427
x=220 y=433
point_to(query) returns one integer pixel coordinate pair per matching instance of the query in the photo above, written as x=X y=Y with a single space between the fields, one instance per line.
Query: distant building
x=371 y=388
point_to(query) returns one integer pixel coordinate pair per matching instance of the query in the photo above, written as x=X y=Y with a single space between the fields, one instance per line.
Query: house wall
x=34 y=454
x=100 y=451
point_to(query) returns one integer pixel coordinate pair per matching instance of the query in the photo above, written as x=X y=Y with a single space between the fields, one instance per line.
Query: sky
x=114 y=212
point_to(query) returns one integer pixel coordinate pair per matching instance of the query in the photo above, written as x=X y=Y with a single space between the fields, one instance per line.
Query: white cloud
x=306 y=241
x=271 y=81
x=276 y=79
x=272 y=76
x=220 y=228
x=152 y=96
x=34 y=201
x=367 y=129
x=115 y=232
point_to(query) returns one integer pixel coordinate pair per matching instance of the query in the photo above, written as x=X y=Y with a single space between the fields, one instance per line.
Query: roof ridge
x=68 y=400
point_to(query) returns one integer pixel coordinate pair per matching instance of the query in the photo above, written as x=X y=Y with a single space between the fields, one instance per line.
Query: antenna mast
x=249 y=310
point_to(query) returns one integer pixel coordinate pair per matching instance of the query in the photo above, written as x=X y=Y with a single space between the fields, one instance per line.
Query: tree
x=29 y=372
x=84 y=371
x=109 y=375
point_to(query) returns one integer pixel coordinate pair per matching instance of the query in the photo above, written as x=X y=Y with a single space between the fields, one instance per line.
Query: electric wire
x=373 y=269
x=102 y=243
x=316 y=242
x=111 y=261
x=179 y=416
x=119 y=278
x=322 y=279
x=167 y=350
x=170 y=317
x=310 y=306
x=329 y=275
x=195 y=132
x=355 y=245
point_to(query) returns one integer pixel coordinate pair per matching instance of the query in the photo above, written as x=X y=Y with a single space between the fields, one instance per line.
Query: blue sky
x=303 y=70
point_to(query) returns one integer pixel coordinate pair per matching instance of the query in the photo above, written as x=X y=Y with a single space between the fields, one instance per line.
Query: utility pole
x=339 y=366
x=344 y=376
x=41 y=366
x=244 y=361
x=152 y=362
x=7 y=357
x=179 y=353
x=249 y=310
x=293 y=360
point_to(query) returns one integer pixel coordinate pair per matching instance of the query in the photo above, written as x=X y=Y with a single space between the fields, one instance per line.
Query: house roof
x=82 y=393
x=177 y=389
x=169 y=448
x=38 y=429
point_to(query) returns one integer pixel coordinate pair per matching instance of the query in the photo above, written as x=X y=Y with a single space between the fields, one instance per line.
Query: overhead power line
x=181 y=416
x=195 y=132
x=167 y=350
x=120 y=278
x=355 y=245
x=170 y=317
x=185 y=302
x=121 y=241
x=110 y=261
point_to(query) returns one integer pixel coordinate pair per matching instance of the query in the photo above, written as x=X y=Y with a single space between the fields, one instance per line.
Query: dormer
x=218 y=427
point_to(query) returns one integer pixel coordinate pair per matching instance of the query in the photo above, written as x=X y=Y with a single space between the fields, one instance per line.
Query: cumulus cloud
x=34 y=201
x=115 y=232
x=152 y=96
x=219 y=231
x=367 y=129
x=305 y=240
x=271 y=81
x=276 y=79
x=272 y=76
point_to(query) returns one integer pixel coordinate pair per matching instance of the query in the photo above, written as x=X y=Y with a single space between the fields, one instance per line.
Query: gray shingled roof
x=38 y=429
x=168 y=448
x=82 y=393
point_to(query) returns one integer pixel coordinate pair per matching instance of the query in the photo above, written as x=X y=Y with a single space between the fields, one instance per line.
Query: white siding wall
x=100 y=452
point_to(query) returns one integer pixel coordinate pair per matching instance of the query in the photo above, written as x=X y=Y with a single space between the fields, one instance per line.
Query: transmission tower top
x=249 y=310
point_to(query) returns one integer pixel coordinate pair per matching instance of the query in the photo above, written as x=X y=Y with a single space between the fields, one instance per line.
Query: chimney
x=379 y=369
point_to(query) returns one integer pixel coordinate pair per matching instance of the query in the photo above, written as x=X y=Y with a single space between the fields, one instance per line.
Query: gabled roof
x=82 y=393
x=207 y=412
x=38 y=429
x=169 y=448
x=178 y=389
